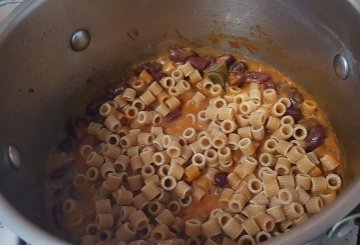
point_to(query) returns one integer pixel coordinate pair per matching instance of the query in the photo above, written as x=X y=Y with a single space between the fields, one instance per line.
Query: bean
x=255 y=76
x=309 y=123
x=295 y=97
x=67 y=144
x=221 y=179
x=116 y=88
x=212 y=60
x=315 y=138
x=59 y=173
x=199 y=63
x=59 y=193
x=269 y=84
x=295 y=112
x=57 y=214
x=75 y=194
x=181 y=55
x=93 y=106
x=174 y=114
x=158 y=76
x=149 y=108
x=74 y=123
x=227 y=58
x=239 y=67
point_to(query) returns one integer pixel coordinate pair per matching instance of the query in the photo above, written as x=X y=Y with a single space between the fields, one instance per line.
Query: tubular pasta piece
x=247 y=147
x=250 y=227
x=288 y=195
x=329 y=162
x=232 y=228
x=286 y=181
x=276 y=213
x=150 y=190
x=265 y=221
x=191 y=172
x=318 y=184
x=211 y=228
x=126 y=232
x=182 y=189
x=314 y=205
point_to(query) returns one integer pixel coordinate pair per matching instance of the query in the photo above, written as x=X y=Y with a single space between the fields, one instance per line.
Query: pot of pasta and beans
x=179 y=122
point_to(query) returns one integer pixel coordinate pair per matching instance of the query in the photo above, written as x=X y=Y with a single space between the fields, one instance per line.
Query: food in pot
x=194 y=149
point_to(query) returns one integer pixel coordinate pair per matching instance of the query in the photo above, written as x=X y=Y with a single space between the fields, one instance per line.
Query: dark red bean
x=315 y=138
x=212 y=60
x=74 y=123
x=227 y=58
x=116 y=88
x=295 y=112
x=158 y=76
x=239 y=67
x=153 y=67
x=149 y=108
x=309 y=123
x=67 y=144
x=199 y=63
x=255 y=76
x=181 y=55
x=269 y=84
x=57 y=215
x=60 y=193
x=294 y=95
x=75 y=194
x=59 y=173
x=174 y=114
x=221 y=179
x=93 y=106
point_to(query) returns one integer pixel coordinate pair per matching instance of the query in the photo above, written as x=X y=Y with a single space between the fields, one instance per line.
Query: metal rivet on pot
x=80 y=40
x=341 y=66
x=14 y=157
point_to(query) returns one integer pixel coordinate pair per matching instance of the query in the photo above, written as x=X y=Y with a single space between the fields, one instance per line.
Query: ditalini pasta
x=195 y=149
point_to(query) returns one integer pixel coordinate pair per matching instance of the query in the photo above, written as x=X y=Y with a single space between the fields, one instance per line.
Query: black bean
x=255 y=76
x=116 y=88
x=59 y=172
x=295 y=112
x=174 y=114
x=227 y=58
x=221 y=179
x=199 y=63
x=239 y=67
x=315 y=138
x=181 y=55
x=57 y=214
x=93 y=106
x=67 y=144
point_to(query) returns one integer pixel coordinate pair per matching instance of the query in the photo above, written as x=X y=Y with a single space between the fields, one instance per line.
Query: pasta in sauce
x=194 y=149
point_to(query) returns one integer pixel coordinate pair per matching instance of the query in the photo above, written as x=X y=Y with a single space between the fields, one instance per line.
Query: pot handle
x=341 y=228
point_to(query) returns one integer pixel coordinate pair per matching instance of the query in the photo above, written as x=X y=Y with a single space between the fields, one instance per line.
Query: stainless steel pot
x=42 y=77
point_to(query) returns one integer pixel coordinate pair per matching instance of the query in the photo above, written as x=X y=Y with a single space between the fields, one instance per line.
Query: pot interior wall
x=43 y=78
